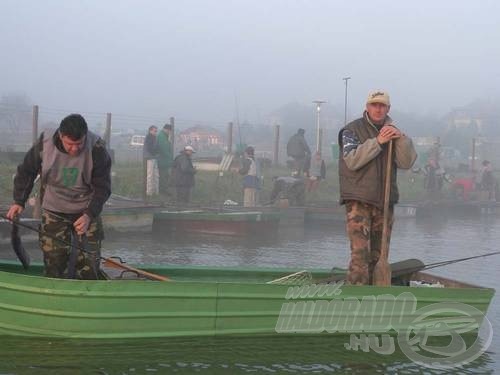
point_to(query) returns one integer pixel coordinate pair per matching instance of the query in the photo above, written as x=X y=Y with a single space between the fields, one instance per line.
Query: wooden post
x=473 y=159
x=320 y=140
x=276 y=144
x=107 y=132
x=144 y=179
x=229 y=138
x=37 y=207
x=35 y=124
x=172 y=135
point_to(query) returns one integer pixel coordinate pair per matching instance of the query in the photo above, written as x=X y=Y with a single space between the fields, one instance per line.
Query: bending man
x=75 y=174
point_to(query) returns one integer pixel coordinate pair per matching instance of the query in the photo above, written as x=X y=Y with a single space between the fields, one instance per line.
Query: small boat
x=196 y=301
x=454 y=208
x=229 y=223
x=122 y=214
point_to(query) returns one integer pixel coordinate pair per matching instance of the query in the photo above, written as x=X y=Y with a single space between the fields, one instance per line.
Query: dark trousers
x=183 y=194
x=163 y=184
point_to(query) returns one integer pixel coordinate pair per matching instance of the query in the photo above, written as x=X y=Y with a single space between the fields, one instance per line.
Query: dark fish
x=18 y=247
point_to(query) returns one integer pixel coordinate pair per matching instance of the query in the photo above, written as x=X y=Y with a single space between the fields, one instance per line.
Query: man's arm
x=101 y=179
x=27 y=172
x=356 y=154
x=404 y=152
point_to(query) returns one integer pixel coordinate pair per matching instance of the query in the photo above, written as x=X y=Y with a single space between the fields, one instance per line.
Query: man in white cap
x=362 y=169
x=183 y=173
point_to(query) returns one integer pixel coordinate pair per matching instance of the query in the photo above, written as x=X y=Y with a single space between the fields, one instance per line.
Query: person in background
x=75 y=170
x=488 y=184
x=149 y=154
x=250 y=169
x=165 y=157
x=298 y=149
x=362 y=168
x=183 y=173
x=317 y=172
x=289 y=190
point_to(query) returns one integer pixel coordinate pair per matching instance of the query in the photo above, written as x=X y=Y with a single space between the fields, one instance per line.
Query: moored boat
x=333 y=214
x=233 y=223
x=197 y=301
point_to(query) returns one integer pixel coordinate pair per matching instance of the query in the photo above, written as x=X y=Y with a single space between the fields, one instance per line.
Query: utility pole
x=346 y=79
x=318 y=135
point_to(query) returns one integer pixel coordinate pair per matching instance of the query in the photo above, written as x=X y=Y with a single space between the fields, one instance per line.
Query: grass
x=211 y=189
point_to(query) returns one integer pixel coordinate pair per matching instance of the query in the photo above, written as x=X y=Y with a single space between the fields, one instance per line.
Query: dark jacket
x=365 y=181
x=31 y=167
x=183 y=171
x=149 y=151
x=297 y=146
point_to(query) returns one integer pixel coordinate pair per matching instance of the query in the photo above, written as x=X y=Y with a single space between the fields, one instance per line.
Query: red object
x=467 y=185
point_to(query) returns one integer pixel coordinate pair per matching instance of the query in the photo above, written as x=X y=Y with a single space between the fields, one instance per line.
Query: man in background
x=298 y=149
x=183 y=173
x=250 y=169
x=149 y=153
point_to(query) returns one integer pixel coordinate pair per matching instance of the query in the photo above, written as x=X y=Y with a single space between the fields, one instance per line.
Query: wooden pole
x=172 y=135
x=473 y=159
x=229 y=138
x=35 y=124
x=107 y=132
x=320 y=140
x=276 y=144
x=382 y=272
x=37 y=207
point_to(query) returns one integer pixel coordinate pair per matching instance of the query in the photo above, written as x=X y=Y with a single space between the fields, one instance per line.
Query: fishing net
x=298 y=278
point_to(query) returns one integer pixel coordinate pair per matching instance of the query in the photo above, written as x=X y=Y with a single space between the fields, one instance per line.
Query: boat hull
x=199 y=301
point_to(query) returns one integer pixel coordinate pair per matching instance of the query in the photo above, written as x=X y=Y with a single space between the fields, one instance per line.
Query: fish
x=18 y=247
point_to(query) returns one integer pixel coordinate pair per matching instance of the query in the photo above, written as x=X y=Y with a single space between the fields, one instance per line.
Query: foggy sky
x=192 y=59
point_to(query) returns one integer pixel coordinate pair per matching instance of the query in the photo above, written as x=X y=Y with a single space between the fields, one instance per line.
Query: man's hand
x=82 y=224
x=387 y=133
x=14 y=211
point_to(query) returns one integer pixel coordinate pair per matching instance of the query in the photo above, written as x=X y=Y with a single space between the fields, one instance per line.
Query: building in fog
x=201 y=138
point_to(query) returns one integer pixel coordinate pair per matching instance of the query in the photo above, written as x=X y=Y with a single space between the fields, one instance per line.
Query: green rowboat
x=197 y=301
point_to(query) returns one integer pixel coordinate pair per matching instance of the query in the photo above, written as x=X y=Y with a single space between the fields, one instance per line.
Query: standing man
x=76 y=182
x=362 y=168
x=298 y=149
x=183 y=173
x=165 y=157
x=149 y=153
x=251 y=182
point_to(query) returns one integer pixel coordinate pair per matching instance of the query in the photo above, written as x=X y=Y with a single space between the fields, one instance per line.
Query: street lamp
x=318 y=110
x=345 y=100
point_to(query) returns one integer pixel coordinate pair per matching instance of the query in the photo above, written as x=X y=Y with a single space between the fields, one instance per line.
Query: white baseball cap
x=189 y=148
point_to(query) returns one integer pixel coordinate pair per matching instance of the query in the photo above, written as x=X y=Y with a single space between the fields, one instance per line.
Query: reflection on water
x=321 y=247
x=229 y=355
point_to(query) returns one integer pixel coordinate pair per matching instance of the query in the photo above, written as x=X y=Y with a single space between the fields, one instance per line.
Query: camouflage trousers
x=364 y=227
x=56 y=254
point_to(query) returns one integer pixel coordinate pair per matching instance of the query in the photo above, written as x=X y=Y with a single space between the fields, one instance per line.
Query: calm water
x=321 y=247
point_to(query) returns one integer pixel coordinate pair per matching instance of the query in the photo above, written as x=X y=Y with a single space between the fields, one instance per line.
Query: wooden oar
x=115 y=263
x=382 y=271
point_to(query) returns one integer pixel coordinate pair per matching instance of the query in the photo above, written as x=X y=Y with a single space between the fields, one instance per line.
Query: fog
x=212 y=61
